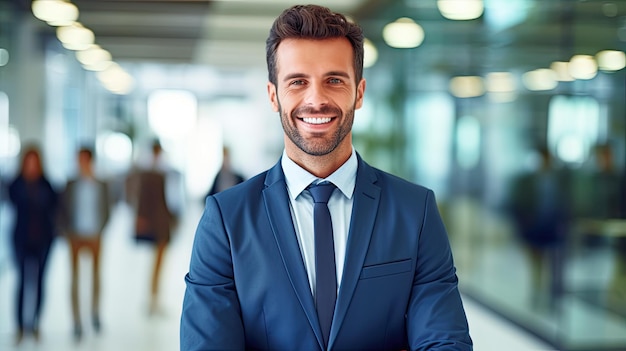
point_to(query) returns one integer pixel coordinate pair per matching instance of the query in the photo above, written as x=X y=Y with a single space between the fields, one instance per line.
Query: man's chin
x=318 y=151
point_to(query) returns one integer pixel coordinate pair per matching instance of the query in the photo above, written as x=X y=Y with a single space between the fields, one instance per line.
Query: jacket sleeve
x=211 y=315
x=436 y=318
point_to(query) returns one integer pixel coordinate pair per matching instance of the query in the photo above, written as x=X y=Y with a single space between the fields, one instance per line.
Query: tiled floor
x=127 y=324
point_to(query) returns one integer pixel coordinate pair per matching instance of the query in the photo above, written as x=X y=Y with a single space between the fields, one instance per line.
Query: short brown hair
x=86 y=150
x=313 y=22
x=31 y=150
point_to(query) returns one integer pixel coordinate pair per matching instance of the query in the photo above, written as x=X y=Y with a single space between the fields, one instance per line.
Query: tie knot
x=321 y=192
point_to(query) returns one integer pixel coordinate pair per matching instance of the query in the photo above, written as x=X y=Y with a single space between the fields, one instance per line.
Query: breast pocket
x=386 y=269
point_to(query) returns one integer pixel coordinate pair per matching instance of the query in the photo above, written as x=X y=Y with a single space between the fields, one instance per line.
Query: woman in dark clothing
x=35 y=204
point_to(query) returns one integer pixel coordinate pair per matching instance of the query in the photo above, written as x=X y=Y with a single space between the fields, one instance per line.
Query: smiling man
x=322 y=251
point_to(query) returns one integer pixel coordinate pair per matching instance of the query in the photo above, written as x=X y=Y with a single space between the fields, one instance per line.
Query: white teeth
x=316 y=120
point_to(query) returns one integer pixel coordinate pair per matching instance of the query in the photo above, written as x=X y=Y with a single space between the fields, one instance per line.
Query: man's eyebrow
x=338 y=73
x=295 y=75
x=328 y=74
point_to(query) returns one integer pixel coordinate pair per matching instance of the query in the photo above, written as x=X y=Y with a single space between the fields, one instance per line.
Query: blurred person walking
x=35 y=203
x=226 y=176
x=85 y=209
x=608 y=197
x=539 y=208
x=609 y=200
x=153 y=218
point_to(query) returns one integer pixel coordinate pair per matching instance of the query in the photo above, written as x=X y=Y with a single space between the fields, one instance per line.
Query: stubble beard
x=318 y=146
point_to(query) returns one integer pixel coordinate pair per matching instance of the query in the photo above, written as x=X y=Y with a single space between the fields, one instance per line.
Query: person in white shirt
x=85 y=212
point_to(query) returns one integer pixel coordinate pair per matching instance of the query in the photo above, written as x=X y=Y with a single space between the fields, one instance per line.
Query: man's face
x=84 y=162
x=32 y=167
x=316 y=94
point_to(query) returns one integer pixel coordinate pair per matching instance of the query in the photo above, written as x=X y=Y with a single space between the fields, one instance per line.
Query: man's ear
x=271 y=92
x=360 y=91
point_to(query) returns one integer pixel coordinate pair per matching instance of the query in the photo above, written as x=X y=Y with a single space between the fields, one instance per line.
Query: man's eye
x=297 y=82
x=334 y=80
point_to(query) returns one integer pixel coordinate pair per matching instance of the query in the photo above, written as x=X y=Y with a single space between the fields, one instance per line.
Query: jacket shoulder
x=242 y=191
x=396 y=184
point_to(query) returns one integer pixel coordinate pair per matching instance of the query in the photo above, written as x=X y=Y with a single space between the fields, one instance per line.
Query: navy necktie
x=325 y=272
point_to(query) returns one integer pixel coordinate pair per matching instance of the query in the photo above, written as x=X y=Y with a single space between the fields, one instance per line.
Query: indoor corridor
x=512 y=112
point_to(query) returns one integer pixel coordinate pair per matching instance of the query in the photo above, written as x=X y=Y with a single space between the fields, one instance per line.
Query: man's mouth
x=316 y=120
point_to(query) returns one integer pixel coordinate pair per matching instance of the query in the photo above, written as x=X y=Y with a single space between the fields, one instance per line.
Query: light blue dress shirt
x=339 y=205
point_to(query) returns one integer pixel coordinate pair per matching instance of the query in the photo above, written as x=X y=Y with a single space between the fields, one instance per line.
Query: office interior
x=462 y=97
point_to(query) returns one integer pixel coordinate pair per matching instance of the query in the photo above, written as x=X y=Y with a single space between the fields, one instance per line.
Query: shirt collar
x=298 y=178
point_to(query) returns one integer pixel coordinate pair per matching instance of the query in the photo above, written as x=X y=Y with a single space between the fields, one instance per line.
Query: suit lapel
x=364 y=209
x=276 y=201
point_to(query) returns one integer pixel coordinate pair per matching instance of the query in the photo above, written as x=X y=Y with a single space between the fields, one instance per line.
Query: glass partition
x=530 y=182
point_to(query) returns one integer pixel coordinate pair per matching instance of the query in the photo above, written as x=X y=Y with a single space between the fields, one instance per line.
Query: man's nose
x=316 y=95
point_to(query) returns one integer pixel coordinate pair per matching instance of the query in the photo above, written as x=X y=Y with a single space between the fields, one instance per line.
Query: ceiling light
x=501 y=87
x=115 y=79
x=582 y=67
x=461 y=10
x=75 y=36
x=500 y=82
x=55 y=12
x=562 y=71
x=611 y=60
x=94 y=58
x=467 y=86
x=404 y=33
x=370 y=53
x=540 y=79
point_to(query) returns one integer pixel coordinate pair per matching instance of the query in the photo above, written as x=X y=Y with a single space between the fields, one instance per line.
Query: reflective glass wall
x=528 y=168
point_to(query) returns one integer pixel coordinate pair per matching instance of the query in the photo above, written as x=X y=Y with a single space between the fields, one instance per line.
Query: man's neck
x=87 y=174
x=320 y=166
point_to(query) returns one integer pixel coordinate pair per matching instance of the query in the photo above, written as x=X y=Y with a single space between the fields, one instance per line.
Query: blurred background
x=512 y=111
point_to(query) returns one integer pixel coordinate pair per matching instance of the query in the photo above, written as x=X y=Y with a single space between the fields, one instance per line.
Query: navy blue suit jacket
x=247 y=287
